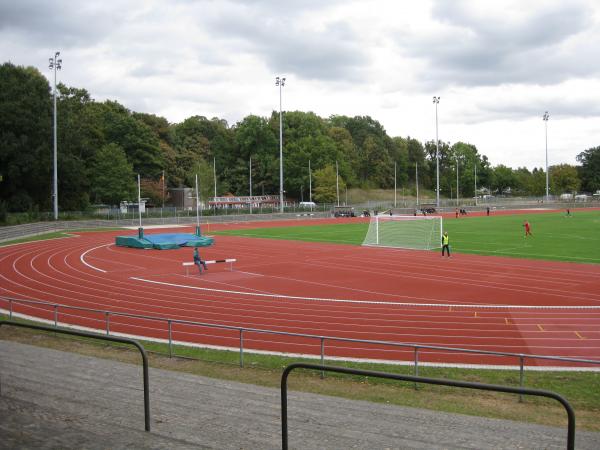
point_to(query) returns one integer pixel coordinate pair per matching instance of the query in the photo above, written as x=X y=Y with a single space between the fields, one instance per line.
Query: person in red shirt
x=527 y=229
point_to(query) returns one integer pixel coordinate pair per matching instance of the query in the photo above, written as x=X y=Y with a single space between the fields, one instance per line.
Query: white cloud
x=497 y=65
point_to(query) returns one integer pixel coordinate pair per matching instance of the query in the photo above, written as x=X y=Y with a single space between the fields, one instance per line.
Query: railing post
x=170 y=335
x=10 y=309
x=416 y=365
x=521 y=375
x=322 y=356
x=55 y=316
x=107 y=320
x=241 y=347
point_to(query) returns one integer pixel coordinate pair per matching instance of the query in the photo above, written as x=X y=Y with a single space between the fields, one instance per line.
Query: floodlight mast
x=545 y=117
x=436 y=101
x=55 y=64
x=280 y=82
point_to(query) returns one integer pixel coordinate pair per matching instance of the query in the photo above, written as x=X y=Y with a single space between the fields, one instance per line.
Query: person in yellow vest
x=445 y=244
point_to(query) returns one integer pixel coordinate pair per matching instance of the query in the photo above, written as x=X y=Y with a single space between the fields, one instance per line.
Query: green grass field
x=555 y=236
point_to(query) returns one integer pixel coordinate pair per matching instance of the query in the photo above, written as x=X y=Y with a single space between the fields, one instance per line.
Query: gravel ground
x=51 y=399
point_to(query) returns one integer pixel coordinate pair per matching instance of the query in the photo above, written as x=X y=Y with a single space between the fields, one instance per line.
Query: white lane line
x=82 y=258
x=364 y=302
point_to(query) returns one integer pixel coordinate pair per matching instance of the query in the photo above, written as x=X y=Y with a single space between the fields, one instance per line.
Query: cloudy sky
x=497 y=66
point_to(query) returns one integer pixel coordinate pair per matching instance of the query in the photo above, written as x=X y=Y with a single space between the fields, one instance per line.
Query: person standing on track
x=488 y=210
x=527 y=229
x=198 y=261
x=445 y=244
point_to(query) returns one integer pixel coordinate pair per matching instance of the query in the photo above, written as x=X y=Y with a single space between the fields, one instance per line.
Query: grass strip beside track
x=582 y=389
x=555 y=236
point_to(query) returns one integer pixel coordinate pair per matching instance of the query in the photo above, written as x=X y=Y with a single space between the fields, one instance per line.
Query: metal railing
x=103 y=338
x=461 y=384
x=321 y=339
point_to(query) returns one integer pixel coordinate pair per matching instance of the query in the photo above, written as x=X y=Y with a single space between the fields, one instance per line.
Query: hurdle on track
x=230 y=261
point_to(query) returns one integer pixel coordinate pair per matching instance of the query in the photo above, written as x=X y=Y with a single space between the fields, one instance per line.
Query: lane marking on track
x=363 y=302
x=82 y=258
x=541 y=327
x=507 y=321
x=579 y=335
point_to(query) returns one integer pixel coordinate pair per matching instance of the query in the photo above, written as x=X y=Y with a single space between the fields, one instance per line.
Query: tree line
x=103 y=145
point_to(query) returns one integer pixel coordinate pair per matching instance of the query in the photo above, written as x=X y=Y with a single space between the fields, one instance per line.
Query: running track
x=467 y=301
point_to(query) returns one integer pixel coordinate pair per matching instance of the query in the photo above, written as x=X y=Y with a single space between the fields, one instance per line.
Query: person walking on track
x=198 y=261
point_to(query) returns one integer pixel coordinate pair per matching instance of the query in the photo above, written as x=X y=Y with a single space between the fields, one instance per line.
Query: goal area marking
x=410 y=232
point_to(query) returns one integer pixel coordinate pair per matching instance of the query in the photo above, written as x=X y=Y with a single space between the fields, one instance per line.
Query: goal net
x=415 y=232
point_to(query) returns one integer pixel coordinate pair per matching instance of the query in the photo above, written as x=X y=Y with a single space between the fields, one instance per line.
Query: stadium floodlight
x=55 y=64
x=280 y=82
x=413 y=232
x=545 y=117
x=436 y=101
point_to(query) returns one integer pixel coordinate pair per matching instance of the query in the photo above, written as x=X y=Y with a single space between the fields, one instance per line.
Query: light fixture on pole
x=280 y=82
x=55 y=64
x=436 y=101
x=545 y=117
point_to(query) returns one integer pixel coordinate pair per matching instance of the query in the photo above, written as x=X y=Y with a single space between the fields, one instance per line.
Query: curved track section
x=468 y=301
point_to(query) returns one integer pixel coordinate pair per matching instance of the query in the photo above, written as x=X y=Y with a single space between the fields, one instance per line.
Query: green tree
x=325 y=190
x=255 y=139
x=564 y=178
x=112 y=176
x=504 y=179
x=119 y=126
x=25 y=138
x=590 y=169
x=206 y=181
x=538 y=182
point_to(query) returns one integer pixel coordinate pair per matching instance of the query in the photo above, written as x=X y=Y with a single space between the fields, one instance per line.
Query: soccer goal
x=415 y=232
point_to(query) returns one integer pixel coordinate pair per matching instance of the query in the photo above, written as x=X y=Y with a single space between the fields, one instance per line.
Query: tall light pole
x=545 y=117
x=337 y=183
x=436 y=101
x=280 y=82
x=394 y=184
x=215 y=181
x=250 y=182
x=55 y=64
x=457 y=194
x=417 y=181
x=475 y=178
x=309 y=183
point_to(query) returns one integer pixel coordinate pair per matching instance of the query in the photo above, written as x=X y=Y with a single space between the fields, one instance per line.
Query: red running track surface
x=467 y=301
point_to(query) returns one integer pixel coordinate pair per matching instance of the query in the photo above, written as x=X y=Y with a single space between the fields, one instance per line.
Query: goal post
x=412 y=232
